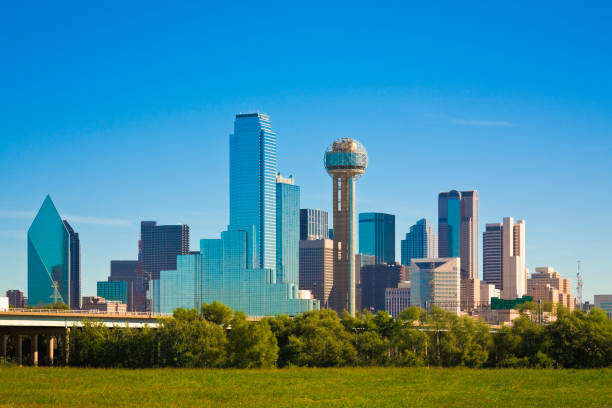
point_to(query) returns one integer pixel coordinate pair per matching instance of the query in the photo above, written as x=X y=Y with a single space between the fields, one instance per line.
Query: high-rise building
x=514 y=273
x=361 y=260
x=492 y=254
x=75 y=267
x=435 y=282
x=375 y=279
x=16 y=298
x=221 y=272
x=48 y=257
x=397 y=299
x=313 y=224
x=345 y=161
x=160 y=244
x=317 y=268
x=113 y=290
x=458 y=229
x=377 y=236
x=504 y=257
x=420 y=242
x=253 y=171
x=546 y=285
x=287 y=230
x=127 y=271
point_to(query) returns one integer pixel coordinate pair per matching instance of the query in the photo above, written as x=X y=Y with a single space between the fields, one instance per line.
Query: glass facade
x=314 y=224
x=287 y=231
x=220 y=273
x=435 y=282
x=253 y=171
x=48 y=258
x=420 y=242
x=113 y=290
x=377 y=236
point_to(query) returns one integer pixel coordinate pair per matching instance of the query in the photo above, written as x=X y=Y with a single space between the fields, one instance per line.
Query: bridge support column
x=35 y=350
x=50 y=352
x=20 y=349
x=4 y=344
x=67 y=345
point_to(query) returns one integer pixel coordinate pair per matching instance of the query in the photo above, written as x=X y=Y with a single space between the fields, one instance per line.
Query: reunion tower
x=345 y=160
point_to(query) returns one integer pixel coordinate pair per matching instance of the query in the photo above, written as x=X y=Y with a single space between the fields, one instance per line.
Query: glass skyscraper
x=113 y=290
x=287 y=230
x=48 y=258
x=420 y=242
x=377 y=236
x=220 y=273
x=458 y=229
x=314 y=224
x=253 y=171
x=75 y=267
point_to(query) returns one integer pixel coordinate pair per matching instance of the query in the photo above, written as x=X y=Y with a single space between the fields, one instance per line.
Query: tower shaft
x=343 y=290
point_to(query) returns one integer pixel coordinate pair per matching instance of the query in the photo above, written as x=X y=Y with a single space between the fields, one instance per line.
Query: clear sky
x=122 y=113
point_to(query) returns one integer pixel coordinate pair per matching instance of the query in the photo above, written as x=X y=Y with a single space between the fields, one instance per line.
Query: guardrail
x=88 y=312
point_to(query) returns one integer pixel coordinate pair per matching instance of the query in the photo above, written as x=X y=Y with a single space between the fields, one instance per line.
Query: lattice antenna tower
x=579 y=286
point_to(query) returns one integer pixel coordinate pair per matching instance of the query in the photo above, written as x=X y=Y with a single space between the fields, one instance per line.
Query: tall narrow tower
x=345 y=160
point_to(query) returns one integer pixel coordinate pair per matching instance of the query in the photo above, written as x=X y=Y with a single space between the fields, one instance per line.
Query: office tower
x=48 y=258
x=492 y=254
x=514 y=272
x=361 y=260
x=420 y=242
x=221 y=272
x=345 y=161
x=75 y=267
x=160 y=244
x=397 y=299
x=16 y=298
x=127 y=271
x=546 y=285
x=331 y=233
x=317 y=268
x=253 y=185
x=113 y=290
x=313 y=224
x=377 y=236
x=604 y=302
x=287 y=230
x=458 y=229
x=435 y=282
x=374 y=280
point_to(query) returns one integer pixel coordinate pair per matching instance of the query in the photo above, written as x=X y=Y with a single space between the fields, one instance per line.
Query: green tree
x=251 y=344
x=217 y=313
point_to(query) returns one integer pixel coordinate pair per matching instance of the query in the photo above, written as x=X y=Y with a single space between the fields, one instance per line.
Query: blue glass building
x=253 y=171
x=449 y=224
x=420 y=242
x=113 y=290
x=220 y=273
x=48 y=257
x=287 y=230
x=377 y=236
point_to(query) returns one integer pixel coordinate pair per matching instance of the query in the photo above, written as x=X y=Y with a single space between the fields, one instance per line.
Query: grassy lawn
x=362 y=387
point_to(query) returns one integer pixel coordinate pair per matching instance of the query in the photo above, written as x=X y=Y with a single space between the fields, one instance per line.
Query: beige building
x=546 y=285
x=317 y=268
x=435 y=282
x=102 y=305
x=514 y=273
x=476 y=293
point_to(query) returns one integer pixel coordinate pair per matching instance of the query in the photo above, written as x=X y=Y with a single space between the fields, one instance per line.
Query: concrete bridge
x=52 y=327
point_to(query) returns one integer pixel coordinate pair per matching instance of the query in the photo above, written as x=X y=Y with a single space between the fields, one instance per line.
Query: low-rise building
x=546 y=285
x=16 y=298
x=397 y=299
x=604 y=302
x=102 y=305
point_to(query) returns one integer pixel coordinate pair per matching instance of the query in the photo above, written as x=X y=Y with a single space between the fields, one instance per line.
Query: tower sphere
x=346 y=157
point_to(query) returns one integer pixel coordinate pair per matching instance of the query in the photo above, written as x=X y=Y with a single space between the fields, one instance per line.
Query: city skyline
x=146 y=139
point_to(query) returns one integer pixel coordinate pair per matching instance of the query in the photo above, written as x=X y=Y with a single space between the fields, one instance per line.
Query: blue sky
x=122 y=113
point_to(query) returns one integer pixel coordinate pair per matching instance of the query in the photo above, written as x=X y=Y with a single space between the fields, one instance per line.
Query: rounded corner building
x=345 y=160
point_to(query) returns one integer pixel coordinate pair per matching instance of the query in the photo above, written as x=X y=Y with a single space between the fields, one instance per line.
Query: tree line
x=217 y=337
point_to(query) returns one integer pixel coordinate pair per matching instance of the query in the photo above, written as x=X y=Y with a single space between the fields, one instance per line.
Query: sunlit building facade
x=314 y=224
x=435 y=282
x=220 y=273
x=287 y=230
x=113 y=290
x=420 y=242
x=253 y=169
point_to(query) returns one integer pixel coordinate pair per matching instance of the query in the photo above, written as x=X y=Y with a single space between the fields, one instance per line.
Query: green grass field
x=361 y=387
